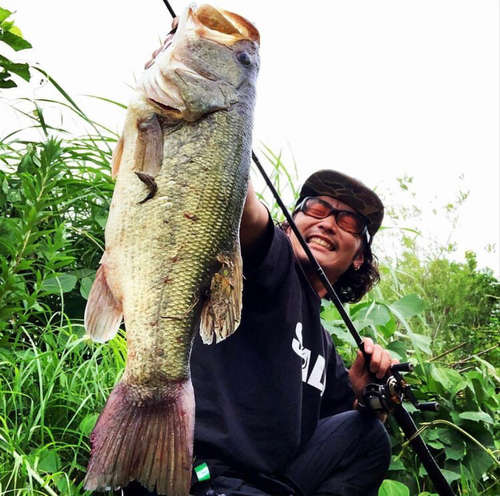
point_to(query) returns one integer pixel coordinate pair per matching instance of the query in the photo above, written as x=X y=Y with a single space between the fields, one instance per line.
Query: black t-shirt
x=260 y=393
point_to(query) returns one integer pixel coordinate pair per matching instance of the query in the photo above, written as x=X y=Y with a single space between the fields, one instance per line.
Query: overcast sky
x=378 y=89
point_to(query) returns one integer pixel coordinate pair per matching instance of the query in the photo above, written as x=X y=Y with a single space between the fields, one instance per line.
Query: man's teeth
x=321 y=242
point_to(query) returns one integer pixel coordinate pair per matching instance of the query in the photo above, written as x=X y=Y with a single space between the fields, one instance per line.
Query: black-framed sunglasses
x=319 y=209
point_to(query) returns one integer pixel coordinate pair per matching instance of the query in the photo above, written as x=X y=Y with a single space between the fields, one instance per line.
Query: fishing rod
x=379 y=396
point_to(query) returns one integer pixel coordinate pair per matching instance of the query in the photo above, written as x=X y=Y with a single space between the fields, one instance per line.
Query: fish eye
x=244 y=58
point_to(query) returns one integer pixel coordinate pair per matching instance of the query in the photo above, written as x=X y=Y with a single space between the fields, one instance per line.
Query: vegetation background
x=55 y=190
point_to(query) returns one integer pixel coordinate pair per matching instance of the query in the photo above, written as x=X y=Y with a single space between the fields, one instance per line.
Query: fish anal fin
x=103 y=313
x=221 y=313
x=138 y=434
x=116 y=158
x=149 y=147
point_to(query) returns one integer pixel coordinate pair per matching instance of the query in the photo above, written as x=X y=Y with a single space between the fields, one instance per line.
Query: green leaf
x=397 y=349
x=423 y=343
x=455 y=452
x=478 y=461
x=396 y=464
x=393 y=488
x=50 y=462
x=88 y=423
x=61 y=283
x=102 y=218
x=14 y=41
x=340 y=333
x=409 y=306
x=4 y=14
x=22 y=70
x=6 y=83
x=448 y=378
x=375 y=314
x=85 y=286
x=477 y=417
x=450 y=476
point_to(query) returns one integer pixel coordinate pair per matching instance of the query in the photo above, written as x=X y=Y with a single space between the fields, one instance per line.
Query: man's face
x=334 y=249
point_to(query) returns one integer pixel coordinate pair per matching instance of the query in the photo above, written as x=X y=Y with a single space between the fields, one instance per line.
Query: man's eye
x=318 y=211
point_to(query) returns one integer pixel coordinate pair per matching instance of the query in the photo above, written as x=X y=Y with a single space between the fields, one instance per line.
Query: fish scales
x=172 y=264
x=193 y=217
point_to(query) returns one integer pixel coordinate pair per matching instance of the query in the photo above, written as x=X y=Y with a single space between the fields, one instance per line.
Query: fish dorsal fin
x=103 y=313
x=116 y=158
x=149 y=146
x=221 y=313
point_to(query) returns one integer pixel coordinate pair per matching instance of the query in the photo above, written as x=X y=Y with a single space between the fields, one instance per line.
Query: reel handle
x=403 y=367
x=430 y=406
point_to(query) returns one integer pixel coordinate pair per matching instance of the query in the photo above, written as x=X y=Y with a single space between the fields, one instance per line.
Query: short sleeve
x=274 y=265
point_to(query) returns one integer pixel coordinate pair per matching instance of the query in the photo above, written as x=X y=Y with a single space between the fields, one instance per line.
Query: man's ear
x=358 y=259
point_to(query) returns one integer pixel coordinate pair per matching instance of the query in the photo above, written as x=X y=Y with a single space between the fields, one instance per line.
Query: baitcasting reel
x=386 y=397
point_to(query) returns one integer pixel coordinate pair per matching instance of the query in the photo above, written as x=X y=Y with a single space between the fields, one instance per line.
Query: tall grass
x=51 y=392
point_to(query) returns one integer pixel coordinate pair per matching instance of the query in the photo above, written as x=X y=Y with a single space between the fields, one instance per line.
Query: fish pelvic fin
x=221 y=313
x=144 y=435
x=103 y=313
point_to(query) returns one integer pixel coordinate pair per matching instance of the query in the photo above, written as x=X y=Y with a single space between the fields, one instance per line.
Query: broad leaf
x=340 y=333
x=50 y=462
x=4 y=14
x=477 y=417
x=393 y=488
x=88 y=423
x=15 y=42
x=62 y=283
x=85 y=286
x=22 y=70
x=409 y=306
x=374 y=314
x=447 y=377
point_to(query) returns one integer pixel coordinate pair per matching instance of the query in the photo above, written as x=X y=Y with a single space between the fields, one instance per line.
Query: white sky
x=378 y=89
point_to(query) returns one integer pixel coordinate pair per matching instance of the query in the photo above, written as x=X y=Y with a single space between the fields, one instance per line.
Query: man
x=276 y=409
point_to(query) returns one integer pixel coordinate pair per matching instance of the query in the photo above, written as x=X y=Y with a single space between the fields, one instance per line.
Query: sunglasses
x=319 y=209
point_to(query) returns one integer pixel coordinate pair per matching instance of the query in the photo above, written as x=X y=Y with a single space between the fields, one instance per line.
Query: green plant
x=12 y=36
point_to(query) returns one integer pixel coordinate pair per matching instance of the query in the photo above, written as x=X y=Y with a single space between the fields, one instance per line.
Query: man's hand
x=379 y=365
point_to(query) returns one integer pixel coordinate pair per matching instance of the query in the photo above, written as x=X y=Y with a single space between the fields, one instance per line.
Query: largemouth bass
x=172 y=264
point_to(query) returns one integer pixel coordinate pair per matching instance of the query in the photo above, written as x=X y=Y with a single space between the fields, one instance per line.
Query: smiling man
x=276 y=409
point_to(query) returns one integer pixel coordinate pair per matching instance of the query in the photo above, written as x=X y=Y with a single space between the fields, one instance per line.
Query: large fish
x=172 y=264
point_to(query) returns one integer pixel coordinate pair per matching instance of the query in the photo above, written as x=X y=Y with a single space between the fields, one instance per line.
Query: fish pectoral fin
x=221 y=313
x=116 y=158
x=103 y=313
x=149 y=149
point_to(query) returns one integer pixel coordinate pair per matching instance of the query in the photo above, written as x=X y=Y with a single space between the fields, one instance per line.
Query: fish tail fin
x=144 y=437
x=221 y=312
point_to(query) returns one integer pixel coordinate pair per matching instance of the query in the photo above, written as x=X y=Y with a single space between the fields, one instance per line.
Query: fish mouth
x=214 y=24
x=222 y=26
x=320 y=241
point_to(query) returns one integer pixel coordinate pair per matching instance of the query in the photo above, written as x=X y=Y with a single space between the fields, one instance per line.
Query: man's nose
x=329 y=223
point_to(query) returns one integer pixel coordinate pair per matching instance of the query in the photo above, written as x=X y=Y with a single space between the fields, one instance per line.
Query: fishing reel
x=386 y=396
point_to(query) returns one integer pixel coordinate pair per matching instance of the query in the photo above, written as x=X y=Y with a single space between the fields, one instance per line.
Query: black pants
x=348 y=455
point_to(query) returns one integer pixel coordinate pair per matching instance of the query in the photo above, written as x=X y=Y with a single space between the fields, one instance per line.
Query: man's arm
x=254 y=225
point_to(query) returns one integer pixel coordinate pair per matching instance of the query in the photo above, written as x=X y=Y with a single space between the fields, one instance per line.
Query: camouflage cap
x=349 y=191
